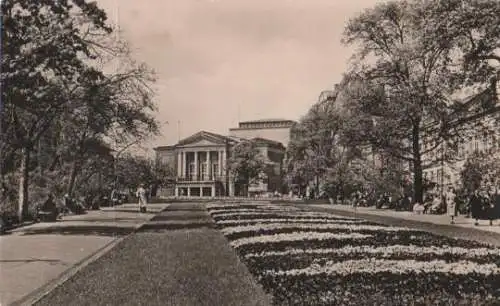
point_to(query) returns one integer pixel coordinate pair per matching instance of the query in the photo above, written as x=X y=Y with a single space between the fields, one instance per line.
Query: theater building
x=200 y=161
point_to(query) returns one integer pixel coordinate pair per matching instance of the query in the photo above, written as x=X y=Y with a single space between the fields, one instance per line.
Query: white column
x=176 y=191
x=219 y=156
x=231 y=187
x=209 y=165
x=224 y=156
x=213 y=191
x=179 y=164
x=189 y=191
x=195 y=166
x=183 y=166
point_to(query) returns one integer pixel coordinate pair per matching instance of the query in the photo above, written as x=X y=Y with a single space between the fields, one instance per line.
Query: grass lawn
x=164 y=267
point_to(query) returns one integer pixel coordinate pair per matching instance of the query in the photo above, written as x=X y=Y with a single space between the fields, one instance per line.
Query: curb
x=8 y=230
x=44 y=290
x=489 y=237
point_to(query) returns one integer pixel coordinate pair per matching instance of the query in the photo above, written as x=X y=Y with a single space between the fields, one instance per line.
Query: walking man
x=142 y=195
x=475 y=206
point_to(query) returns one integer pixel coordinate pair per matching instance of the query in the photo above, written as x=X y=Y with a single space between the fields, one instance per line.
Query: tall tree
x=43 y=55
x=52 y=65
x=405 y=76
x=313 y=140
x=246 y=163
x=480 y=170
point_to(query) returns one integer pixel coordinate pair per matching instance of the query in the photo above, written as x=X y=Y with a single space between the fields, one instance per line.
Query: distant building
x=271 y=129
x=482 y=134
x=201 y=160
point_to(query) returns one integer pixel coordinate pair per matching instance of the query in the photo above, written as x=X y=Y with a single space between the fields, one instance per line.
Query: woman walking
x=451 y=206
x=143 y=199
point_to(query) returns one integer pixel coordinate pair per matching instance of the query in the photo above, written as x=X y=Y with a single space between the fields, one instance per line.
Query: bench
x=47 y=216
x=418 y=209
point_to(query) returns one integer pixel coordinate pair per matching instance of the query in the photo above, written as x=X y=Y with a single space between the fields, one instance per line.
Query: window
x=215 y=170
x=203 y=170
x=191 y=171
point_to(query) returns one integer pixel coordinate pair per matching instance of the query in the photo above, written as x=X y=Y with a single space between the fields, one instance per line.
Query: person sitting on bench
x=49 y=209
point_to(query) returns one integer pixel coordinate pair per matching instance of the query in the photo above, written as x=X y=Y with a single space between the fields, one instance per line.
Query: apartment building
x=481 y=133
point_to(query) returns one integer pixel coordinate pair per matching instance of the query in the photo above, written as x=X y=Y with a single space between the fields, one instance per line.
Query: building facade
x=202 y=170
x=479 y=134
x=272 y=129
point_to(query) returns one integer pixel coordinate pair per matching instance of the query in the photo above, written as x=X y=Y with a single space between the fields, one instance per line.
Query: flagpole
x=238 y=116
x=178 y=130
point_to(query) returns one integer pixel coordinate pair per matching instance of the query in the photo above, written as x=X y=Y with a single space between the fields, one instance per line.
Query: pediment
x=201 y=143
x=203 y=139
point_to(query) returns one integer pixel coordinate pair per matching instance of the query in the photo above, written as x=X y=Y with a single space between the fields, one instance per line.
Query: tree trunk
x=417 y=165
x=316 y=191
x=72 y=179
x=23 y=203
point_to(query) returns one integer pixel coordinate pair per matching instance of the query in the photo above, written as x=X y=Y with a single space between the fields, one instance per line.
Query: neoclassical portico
x=202 y=168
x=201 y=165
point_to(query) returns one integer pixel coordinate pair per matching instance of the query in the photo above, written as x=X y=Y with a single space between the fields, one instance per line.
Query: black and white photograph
x=250 y=152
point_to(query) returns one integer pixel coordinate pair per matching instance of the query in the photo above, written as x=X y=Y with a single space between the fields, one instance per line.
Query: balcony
x=206 y=178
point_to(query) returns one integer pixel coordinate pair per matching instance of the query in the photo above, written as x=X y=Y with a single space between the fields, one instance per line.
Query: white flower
x=231 y=206
x=282 y=213
x=392 y=266
x=287 y=221
x=274 y=226
x=387 y=250
x=247 y=210
x=296 y=236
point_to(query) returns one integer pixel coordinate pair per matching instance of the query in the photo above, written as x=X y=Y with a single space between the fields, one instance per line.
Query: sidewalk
x=37 y=255
x=460 y=221
x=190 y=265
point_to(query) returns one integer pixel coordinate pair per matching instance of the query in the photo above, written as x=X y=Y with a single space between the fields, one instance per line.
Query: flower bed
x=311 y=258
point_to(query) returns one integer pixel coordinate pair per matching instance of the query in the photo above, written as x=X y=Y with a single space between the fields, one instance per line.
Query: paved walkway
x=34 y=256
x=460 y=221
x=175 y=259
x=438 y=224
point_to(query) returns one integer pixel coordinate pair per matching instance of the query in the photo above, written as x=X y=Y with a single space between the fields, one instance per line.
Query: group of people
x=484 y=204
x=481 y=204
x=50 y=206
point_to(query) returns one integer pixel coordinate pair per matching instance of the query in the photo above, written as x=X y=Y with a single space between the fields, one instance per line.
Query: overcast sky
x=220 y=61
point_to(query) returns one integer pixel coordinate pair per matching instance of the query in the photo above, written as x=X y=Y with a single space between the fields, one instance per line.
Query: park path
x=35 y=257
x=463 y=228
x=177 y=258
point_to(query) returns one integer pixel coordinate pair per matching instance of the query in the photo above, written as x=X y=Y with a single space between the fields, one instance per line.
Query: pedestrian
x=496 y=204
x=451 y=205
x=50 y=206
x=436 y=204
x=475 y=204
x=490 y=207
x=406 y=203
x=141 y=194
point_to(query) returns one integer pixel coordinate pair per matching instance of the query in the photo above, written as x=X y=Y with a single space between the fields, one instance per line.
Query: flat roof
x=266 y=120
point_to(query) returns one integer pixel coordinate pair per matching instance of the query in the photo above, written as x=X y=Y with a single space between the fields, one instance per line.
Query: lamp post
x=442 y=170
